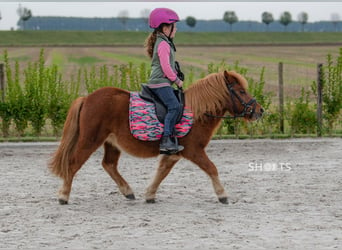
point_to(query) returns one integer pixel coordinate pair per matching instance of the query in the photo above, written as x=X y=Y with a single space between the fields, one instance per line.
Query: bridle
x=248 y=108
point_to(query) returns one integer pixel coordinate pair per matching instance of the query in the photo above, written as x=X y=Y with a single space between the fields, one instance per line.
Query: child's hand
x=180 y=84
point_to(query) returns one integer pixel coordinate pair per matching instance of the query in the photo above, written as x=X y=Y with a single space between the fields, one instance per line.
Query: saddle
x=144 y=123
x=161 y=110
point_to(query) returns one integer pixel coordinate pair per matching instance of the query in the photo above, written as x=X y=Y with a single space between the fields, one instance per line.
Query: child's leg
x=167 y=96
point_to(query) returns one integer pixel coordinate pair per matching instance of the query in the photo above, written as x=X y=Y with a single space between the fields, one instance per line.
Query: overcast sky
x=317 y=11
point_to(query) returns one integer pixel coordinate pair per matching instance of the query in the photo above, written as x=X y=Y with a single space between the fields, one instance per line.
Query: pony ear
x=226 y=75
x=229 y=77
x=232 y=76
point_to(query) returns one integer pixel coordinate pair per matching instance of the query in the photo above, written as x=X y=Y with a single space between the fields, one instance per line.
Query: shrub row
x=38 y=95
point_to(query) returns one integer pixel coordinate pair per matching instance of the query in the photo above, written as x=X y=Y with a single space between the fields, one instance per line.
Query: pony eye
x=242 y=92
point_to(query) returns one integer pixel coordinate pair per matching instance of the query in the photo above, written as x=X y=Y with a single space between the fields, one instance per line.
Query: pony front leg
x=166 y=163
x=201 y=159
x=219 y=190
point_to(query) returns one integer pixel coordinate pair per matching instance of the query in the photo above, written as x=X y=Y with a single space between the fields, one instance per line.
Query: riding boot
x=167 y=146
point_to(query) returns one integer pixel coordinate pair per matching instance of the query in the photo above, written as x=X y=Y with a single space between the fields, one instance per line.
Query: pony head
x=241 y=103
x=222 y=92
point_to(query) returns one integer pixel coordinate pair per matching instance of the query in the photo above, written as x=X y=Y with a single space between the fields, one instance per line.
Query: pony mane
x=210 y=94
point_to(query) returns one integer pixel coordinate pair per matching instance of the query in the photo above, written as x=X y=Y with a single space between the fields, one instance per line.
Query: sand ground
x=286 y=194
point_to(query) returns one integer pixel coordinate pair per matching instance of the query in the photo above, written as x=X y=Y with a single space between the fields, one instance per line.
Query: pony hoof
x=130 y=196
x=223 y=200
x=151 y=201
x=62 y=202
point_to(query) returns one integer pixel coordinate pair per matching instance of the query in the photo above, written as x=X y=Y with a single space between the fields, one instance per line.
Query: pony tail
x=59 y=164
x=150 y=42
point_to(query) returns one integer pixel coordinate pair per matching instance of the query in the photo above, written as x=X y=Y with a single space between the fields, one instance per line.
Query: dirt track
x=286 y=195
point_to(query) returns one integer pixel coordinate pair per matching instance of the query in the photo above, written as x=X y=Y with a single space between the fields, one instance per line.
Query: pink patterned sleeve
x=164 y=58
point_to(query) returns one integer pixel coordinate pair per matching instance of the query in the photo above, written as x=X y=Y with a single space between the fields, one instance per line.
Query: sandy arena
x=285 y=194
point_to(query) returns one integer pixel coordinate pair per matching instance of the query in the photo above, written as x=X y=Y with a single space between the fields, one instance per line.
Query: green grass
x=54 y=38
x=57 y=59
x=238 y=38
x=21 y=58
x=137 y=60
x=84 y=60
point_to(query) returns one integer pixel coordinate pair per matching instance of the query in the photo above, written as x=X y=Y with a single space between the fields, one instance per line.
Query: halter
x=248 y=108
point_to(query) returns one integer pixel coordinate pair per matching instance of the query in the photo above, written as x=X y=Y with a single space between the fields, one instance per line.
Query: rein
x=251 y=105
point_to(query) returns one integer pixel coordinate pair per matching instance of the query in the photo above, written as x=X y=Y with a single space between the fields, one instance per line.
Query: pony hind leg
x=166 y=163
x=80 y=157
x=110 y=163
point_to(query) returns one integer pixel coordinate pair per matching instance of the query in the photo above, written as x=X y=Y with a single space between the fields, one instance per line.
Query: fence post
x=319 y=98
x=2 y=82
x=281 y=96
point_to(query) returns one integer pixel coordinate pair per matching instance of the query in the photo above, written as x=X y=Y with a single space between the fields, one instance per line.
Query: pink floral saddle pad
x=144 y=123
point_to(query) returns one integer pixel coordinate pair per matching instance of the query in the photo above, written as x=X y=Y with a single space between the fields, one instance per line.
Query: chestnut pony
x=101 y=118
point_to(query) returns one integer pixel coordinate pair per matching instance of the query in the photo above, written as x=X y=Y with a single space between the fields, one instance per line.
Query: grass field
x=300 y=62
x=55 y=38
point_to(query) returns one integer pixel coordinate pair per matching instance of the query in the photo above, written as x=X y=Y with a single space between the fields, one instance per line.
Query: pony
x=101 y=118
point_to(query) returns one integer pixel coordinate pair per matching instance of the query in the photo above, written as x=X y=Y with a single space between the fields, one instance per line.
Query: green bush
x=331 y=92
x=59 y=95
x=41 y=95
x=270 y=120
x=35 y=93
x=123 y=76
x=5 y=116
x=302 y=115
x=16 y=103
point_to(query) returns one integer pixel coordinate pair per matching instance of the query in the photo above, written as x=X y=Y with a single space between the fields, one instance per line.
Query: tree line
x=285 y=19
x=124 y=22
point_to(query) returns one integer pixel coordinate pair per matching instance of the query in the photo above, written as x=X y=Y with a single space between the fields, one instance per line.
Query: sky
x=246 y=11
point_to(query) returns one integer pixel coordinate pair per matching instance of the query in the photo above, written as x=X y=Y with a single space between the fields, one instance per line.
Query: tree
x=190 y=21
x=123 y=17
x=231 y=18
x=303 y=19
x=145 y=13
x=285 y=19
x=24 y=15
x=335 y=18
x=267 y=18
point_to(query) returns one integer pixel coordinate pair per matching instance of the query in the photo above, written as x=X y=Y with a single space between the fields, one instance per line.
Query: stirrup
x=171 y=152
x=173 y=149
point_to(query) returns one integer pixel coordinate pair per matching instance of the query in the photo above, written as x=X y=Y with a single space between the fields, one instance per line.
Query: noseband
x=248 y=108
x=251 y=105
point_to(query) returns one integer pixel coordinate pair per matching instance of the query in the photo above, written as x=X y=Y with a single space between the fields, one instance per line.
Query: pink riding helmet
x=162 y=15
